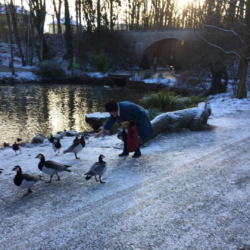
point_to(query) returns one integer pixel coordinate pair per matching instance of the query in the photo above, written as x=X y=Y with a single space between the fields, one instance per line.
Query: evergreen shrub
x=166 y=101
x=49 y=69
x=100 y=62
x=153 y=112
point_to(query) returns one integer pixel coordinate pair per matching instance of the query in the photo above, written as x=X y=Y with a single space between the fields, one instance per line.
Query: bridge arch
x=141 y=40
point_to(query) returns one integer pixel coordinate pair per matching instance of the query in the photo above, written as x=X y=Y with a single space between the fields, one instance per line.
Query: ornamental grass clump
x=166 y=101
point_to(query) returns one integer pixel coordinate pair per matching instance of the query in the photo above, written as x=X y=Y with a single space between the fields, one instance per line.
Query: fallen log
x=192 y=118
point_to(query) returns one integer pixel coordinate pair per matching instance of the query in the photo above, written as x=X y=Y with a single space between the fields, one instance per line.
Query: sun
x=183 y=3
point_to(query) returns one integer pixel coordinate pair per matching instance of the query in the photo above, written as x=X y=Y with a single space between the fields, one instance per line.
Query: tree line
x=227 y=20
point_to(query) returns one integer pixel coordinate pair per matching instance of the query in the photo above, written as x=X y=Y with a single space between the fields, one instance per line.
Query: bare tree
x=12 y=10
x=98 y=10
x=57 y=9
x=68 y=34
x=11 y=37
x=38 y=14
x=89 y=14
x=238 y=26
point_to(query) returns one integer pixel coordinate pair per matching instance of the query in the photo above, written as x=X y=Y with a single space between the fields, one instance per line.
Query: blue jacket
x=130 y=111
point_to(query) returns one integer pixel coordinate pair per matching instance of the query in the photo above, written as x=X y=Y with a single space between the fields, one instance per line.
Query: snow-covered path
x=189 y=190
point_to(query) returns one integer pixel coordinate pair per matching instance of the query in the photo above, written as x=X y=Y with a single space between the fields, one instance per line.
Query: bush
x=49 y=69
x=189 y=78
x=100 y=62
x=167 y=101
x=152 y=113
x=147 y=74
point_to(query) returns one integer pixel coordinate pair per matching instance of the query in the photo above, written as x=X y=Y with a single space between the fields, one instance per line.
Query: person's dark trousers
x=125 y=151
x=124 y=138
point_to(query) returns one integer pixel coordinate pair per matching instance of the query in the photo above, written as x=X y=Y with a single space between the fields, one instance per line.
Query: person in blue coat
x=127 y=111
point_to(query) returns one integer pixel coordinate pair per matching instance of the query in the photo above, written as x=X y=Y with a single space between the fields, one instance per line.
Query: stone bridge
x=141 y=40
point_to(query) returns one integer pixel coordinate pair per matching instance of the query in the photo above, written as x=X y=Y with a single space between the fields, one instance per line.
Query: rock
x=71 y=133
x=22 y=143
x=97 y=119
x=38 y=139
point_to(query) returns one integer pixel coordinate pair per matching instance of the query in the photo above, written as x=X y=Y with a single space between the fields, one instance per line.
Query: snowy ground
x=188 y=190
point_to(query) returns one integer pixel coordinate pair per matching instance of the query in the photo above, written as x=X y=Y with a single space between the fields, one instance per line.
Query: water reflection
x=30 y=109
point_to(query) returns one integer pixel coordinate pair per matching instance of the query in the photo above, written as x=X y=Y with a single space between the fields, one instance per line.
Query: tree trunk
x=242 y=92
x=216 y=85
x=111 y=15
x=58 y=15
x=24 y=36
x=11 y=63
x=38 y=15
x=68 y=35
x=14 y=24
x=41 y=38
x=98 y=16
x=33 y=43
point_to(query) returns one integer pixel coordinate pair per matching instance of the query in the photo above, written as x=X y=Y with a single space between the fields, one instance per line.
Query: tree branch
x=228 y=31
x=227 y=52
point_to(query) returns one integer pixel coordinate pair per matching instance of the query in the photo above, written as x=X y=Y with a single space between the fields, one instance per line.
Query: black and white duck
x=51 y=138
x=16 y=147
x=5 y=144
x=98 y=168
x=25 y=180
x=60 y=135
x=51 y=167
x=76 y=139
x=76 y=147
x=57 y=146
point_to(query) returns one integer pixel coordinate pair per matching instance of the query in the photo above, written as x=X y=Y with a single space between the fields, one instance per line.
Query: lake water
x=30 y=109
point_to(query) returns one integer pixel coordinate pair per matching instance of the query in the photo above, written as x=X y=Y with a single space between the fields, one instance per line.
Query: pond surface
x=30 y=109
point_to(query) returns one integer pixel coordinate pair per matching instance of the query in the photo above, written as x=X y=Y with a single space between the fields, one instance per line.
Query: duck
x=1 y=170
x=5 y=144
x=57 y=146
x=61 y=135
x=51 y=167
x=76 y=139
x=16 y=147
x=25 y=180
x=76 y=147
x=51 y=138
x=98 y=168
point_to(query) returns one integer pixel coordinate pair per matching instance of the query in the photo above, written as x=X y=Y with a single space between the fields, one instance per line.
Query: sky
x=50 y=10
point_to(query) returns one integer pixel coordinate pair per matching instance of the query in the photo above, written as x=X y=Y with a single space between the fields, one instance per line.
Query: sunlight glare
x=183 y=3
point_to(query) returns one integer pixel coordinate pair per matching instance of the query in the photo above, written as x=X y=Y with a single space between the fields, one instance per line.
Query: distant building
x=19 y=12
x=73 y=25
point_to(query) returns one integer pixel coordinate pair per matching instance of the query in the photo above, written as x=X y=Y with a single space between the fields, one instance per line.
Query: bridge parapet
x=143 y=39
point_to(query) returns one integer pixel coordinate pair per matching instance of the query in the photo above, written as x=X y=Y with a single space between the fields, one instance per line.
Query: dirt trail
x=4 y=68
